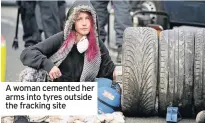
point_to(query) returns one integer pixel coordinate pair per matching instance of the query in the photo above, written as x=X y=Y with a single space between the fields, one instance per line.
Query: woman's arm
x=37 y=56
x=107 y=66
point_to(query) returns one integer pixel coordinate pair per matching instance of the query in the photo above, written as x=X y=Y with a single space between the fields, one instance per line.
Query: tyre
x=199 y=71
x=176 y=54
x=139 y=69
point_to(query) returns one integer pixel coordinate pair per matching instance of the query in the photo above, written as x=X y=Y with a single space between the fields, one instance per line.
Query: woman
x=76 y=54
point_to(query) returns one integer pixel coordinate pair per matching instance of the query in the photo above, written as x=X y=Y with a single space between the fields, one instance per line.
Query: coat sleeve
x=37 y=56
x=107 y=66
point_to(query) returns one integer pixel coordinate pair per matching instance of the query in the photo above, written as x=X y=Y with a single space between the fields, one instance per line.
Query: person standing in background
x=62 y=9
x=122 y=20
x=52 y=16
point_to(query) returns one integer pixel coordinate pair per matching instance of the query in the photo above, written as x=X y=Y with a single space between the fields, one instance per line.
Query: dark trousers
x=50 y=20
x=122 y=17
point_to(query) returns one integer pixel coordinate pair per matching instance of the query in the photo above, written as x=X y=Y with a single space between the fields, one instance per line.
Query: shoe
x=119 y=54
x=20 y=119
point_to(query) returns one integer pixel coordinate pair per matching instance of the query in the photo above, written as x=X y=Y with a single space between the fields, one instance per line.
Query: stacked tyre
x=139 y=59
x=199 y=71
x=176 y=57
x=170 y=70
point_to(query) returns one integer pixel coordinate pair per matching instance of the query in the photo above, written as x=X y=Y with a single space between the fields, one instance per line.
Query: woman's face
x=82 y=23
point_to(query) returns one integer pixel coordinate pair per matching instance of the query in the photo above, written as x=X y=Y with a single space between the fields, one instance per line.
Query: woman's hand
x=55 y=73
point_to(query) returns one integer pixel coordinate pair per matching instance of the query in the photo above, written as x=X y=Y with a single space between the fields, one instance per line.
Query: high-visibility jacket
x=3 y=59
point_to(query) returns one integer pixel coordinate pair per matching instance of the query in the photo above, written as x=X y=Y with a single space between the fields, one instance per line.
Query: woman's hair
x=92 y=48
